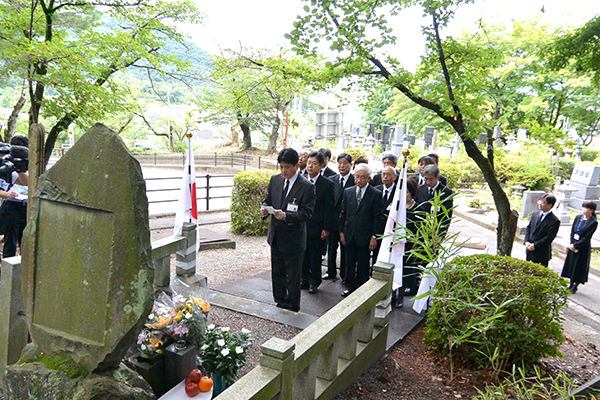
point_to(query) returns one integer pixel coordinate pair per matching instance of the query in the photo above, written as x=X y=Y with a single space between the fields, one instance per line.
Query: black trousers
x=311 y=266
x=286 y=269
x=16 y=219
x=333 y=241
x=357 y=264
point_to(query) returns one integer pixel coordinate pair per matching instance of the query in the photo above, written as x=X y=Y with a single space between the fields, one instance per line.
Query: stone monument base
x=36 y=381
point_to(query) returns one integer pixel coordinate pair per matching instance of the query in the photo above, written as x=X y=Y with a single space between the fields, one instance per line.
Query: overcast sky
x=262 y=23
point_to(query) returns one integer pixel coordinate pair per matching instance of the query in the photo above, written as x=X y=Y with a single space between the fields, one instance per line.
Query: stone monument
x=585 y=179
x=86 y=271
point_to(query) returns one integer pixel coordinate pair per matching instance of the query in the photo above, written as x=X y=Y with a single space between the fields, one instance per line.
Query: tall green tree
x=452 y=80
x=68 y=64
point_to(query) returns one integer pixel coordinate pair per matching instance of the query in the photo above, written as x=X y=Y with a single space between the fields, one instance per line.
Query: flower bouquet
x=173 y=319
x=224 y=353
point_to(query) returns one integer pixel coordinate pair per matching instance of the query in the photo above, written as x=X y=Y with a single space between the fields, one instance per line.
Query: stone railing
x=325 y=358
x=13 y=325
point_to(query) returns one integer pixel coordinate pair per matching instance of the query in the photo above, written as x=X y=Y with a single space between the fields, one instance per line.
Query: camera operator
x=13 y=212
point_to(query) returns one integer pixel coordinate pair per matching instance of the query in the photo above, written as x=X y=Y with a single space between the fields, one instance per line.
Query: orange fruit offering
x=205 y=384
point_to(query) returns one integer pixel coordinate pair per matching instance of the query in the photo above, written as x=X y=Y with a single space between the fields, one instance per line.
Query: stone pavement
x=253 y=295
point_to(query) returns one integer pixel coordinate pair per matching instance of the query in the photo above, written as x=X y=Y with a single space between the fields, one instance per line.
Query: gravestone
x=87 y=277
x=585 y=179
x=530 y=202
x=398 y=140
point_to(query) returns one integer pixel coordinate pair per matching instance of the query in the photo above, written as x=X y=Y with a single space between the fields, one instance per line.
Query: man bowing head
x=290 y=198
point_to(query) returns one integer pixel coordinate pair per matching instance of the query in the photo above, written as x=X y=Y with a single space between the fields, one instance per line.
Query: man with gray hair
x=427 y=191
x=361 y=222
x=389 y=160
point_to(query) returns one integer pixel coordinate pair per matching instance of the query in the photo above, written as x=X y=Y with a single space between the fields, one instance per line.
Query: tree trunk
x=247 y=139
x=272 y=147
x=12 y=119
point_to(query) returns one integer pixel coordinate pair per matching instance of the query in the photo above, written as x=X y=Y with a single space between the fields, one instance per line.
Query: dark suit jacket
x=291 y=233
x=338 y=196
x=390 y=197
x=443 y=179
x=424 y=200
x=541 y=235
x=322 y=218
x=328 y=172
x=362 y=222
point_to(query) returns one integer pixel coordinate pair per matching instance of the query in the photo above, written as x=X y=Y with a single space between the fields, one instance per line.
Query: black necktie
x=358 y=196
x=385 y=196
x=430 y=192
x=312 y=181
x=284 y=193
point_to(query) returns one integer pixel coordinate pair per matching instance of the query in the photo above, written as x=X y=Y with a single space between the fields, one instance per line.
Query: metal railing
x=230 y=160
x=207 y=187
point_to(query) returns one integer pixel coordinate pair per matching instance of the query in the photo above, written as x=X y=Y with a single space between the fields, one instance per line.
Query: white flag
x=392 y=247
x=187 y=206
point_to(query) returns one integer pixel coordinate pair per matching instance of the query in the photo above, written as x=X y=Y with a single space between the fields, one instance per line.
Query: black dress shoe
x=304 y=286
x=312 y=289
x=327 y=277
x=346 y=292
x=398 y=302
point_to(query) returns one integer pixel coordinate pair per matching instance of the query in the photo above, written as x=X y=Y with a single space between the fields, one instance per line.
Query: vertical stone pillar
x=185 y=260
x=162 y=273
x=278 y=354
x=365 y=327
x=348 y=343
x=37 y=164
x=327 y=364
x=13 y=326
x=384 y=272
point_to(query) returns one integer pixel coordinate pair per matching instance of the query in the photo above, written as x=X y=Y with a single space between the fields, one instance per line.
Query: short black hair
x=19 y=140
x=325 y=152
x=550 y=199
x=319 y=156
x=590 y=205
x=390 y=156
x=347 y=156
x=427 y=160
x=288 y=156
x=435 y=157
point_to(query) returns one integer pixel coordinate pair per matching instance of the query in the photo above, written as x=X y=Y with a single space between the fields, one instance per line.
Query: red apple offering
x=194 y=376
x=191 y=389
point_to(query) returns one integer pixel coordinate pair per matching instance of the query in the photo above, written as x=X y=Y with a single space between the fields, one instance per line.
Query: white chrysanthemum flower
x=225 y=352
x=221 y=342
x=239 y=350
x=143 y=347
x=225 y=329
x=204 y=347
x=151 y=316
x=245 y=331
x=211 y=326
x=187 y=315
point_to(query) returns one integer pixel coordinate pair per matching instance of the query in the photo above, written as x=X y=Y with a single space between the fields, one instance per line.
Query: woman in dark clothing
x=411 y=271
x=577 y=263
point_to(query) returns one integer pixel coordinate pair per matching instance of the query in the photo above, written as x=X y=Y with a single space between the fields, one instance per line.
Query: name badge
x=292 y=207
x=576 y=236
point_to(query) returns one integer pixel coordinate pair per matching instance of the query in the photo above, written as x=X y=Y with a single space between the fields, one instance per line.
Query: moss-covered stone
x=59 y=361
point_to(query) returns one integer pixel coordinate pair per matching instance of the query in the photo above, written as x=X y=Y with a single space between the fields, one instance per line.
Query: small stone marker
x=87 y=277
x=585 y=179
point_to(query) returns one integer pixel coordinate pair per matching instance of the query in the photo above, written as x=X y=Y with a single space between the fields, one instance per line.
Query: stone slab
x=586 y=174
x=530 y=199
x=87 y=273
x=585 y=192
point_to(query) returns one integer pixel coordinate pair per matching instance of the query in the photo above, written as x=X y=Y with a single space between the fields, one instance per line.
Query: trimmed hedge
x=249 y=188
x=505 y=310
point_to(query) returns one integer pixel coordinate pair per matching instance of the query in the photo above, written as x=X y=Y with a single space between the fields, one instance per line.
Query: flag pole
x=189 y=136
x=405 y=153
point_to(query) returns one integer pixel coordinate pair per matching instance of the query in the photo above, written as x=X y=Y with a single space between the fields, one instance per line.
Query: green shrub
x=533 y=180
x=589 y=155
x=495 y=312
x=248 y=192
x=566 y=167
x=355 y=153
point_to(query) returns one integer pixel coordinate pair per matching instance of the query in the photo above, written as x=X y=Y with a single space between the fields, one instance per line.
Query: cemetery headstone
x=585 y=178
x=398 y=140
x=428 y=136
x=530 y=202
x=87 y=277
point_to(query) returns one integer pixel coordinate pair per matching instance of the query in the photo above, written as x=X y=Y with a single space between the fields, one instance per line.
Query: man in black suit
x=361 y=220
x=389 y=160
x=341 y=181
x=541 y=231
x=424 y=162
x=291 y=199
x=427 y=191
x=319 y=225
x=326 y=170
x=387 y=188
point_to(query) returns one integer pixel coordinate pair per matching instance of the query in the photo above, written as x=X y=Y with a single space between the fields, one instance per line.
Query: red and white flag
x=392 y=244
x=187 y=206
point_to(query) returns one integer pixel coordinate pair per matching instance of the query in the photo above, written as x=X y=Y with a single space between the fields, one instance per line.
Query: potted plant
x=223 y=354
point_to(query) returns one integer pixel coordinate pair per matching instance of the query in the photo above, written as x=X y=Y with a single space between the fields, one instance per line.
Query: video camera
x=14 y=158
